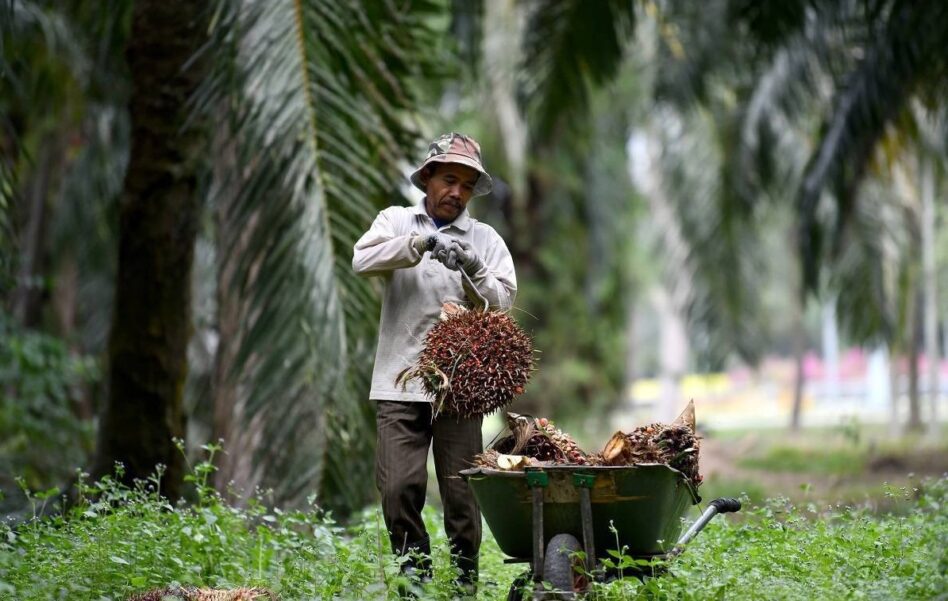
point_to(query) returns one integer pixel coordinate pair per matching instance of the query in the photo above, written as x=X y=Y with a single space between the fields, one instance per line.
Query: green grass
x=117 y=541
x=716 y=486
x=836 y=461
x=784 y=552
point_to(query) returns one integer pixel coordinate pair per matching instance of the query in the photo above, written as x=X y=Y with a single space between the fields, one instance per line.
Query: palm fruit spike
x=687 y=417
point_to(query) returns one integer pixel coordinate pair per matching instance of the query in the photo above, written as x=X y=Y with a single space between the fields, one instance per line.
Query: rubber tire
x=558 y=566
x=516 y=589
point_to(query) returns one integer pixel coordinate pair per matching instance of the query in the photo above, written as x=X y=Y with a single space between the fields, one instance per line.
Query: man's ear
x=425 y=175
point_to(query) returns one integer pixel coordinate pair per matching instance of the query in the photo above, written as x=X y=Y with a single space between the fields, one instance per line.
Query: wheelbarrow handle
x=726 y=505
x=721 y=505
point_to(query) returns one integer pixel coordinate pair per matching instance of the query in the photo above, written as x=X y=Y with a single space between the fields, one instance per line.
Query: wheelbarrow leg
x=585 y=482
x=537 y=480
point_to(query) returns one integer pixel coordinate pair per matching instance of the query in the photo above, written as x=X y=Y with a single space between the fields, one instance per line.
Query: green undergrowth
x=779 y=551
x=117 y=540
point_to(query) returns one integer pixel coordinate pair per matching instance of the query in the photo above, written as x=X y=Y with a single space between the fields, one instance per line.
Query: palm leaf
x=723 y=308
x=322 y=96
x=869 y=271
x=909 y=50
x=60 y=71
x=569 y=46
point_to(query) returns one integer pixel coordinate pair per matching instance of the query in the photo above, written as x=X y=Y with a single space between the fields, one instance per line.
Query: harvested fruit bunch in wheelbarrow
x=536 y=439
x=473 y=362
x=673 y=444
x=536 y=442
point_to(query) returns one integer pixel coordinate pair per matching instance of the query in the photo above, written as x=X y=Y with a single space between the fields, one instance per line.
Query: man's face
x=449 y=189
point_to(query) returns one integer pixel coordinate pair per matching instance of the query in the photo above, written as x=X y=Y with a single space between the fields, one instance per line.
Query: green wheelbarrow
x=543 y=515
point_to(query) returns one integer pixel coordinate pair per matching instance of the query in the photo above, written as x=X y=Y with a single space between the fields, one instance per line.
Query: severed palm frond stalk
x=318 y=99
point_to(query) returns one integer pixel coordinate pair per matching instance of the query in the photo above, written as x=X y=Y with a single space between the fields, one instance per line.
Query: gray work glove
x=436 y=243
x=462 y=255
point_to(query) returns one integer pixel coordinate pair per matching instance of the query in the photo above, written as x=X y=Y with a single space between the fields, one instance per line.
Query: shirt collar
x=462 y=222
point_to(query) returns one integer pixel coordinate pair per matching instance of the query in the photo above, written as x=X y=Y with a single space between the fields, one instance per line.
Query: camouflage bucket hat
x=455 y=148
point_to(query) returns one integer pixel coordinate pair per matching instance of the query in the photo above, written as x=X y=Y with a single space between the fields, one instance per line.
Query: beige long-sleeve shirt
x=416 y=285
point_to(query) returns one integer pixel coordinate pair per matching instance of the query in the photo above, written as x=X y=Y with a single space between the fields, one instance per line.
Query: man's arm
x=380 y=250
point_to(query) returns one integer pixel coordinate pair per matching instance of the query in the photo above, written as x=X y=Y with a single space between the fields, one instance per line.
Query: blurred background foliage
x=685 y=187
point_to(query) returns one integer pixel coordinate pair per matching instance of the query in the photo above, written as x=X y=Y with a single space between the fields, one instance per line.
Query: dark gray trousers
x=405 y=431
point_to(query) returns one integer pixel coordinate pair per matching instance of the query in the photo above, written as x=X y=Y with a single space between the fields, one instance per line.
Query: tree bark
x=151 y=323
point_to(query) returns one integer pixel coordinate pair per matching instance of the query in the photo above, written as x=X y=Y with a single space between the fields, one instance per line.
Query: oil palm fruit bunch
x=563 y=441
x=473 y=362
x=679 y=448
x=537 y=439
x=673 y=444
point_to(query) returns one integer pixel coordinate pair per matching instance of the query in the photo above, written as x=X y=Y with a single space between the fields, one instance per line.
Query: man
x=420 y=252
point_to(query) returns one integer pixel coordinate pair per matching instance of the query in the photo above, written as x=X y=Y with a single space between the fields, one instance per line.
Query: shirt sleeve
x=381 y=250
x=496 y=280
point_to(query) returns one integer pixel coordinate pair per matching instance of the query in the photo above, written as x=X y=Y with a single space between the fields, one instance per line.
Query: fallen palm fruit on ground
x=473 y=362
x=190 y=593
x=536 y=442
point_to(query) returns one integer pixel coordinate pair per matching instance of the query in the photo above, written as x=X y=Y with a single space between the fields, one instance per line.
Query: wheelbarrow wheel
x=521 y=584
x=562 y=569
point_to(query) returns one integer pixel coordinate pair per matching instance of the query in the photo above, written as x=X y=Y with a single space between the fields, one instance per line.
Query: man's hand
x=436 y=243
x=439 y=245
x=462 y=255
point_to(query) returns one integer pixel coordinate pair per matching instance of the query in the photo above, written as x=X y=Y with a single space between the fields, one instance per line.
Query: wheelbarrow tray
x=645 y=504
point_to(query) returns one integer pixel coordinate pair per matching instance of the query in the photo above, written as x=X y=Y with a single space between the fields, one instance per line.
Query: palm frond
x=60 y=71
x=568 y=46
x=711 y=257
x=8 y=182
x=31 y=22
x=467 y=27
x=870 y=266
x=322 y=97
x=723 y=306
x=772 y=23
x=910 y=50
x=84 y=226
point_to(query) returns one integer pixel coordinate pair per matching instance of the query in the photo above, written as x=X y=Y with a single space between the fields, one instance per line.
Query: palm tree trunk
x=799 y=346
x=929 y=283
x=798 y=340
x=631 y=356
x=673 y=353
x=895 y=388
x=26 y=298
x=503 y=25
x=915 y=402
x=241 y=438
x=151 y=323
x=830 y=330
